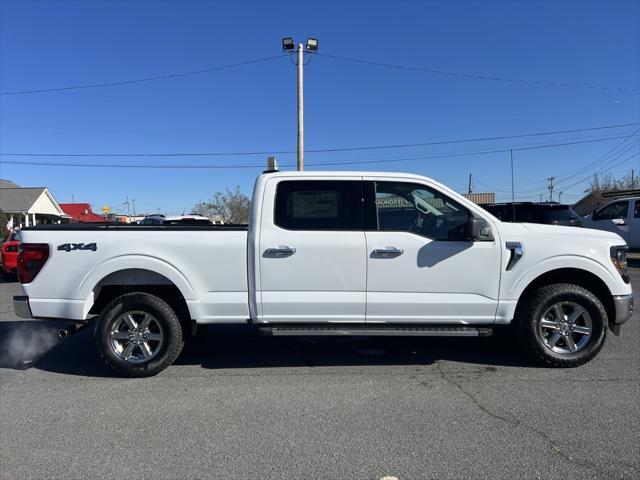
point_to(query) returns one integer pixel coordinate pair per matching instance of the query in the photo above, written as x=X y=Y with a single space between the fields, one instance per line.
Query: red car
x=9 y=254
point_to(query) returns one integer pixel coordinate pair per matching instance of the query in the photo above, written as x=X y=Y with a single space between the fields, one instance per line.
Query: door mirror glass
x=478 y=230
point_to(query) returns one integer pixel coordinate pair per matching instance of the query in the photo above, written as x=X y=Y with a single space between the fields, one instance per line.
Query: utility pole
x=469 y=189
x=540 y=198
x=559 y=197
x=633 y=182
x=128 y=209
x=550 y=187
x=288 y=45
x=300 y=108
x=513 y=190
x=133 y=201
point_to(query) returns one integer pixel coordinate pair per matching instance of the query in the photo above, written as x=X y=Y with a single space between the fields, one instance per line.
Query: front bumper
x=624 y=308
x=21 y=306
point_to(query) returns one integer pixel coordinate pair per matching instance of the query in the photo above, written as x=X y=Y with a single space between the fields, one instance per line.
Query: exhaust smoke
x=24 y=344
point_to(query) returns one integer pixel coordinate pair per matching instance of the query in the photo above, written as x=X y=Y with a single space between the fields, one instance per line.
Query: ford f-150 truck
x=330 y=253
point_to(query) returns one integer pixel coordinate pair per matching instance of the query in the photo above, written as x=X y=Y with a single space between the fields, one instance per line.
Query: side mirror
x=478 y=230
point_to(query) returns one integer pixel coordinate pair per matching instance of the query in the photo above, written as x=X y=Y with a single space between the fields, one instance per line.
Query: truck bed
x=207 y=264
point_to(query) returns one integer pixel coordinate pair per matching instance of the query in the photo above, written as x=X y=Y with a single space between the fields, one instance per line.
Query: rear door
x=312 y=251
x=421 y=269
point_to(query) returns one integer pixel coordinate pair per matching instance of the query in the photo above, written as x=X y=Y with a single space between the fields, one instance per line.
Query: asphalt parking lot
x=236 y=405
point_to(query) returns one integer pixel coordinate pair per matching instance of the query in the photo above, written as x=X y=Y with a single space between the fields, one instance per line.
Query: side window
x=319 y=205
x=615 y=210
x=419 y=209
x=636 y=212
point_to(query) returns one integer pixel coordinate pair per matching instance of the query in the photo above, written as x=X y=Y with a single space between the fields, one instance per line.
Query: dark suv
x=550 y=213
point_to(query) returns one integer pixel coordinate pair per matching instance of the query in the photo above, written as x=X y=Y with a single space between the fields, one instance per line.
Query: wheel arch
x=576 y=276
x=130 y=280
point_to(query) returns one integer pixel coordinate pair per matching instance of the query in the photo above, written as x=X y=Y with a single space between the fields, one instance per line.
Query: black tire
x=529 y=317
x=166 y=321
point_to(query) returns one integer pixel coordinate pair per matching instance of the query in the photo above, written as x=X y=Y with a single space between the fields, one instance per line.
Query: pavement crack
x=551 y=443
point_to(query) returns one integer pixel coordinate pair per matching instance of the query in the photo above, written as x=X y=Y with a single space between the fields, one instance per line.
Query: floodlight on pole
x=288 y=45
x=312 y=45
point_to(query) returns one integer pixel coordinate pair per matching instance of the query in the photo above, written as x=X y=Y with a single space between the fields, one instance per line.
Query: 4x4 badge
x=67 y=247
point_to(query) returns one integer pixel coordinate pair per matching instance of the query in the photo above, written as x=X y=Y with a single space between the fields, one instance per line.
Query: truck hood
x=560 y=232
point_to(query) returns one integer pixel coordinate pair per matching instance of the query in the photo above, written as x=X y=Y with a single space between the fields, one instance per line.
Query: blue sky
x=253 y=108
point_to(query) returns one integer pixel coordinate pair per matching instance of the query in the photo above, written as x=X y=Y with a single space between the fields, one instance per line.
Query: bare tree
x=232 y=206
x=609 y=183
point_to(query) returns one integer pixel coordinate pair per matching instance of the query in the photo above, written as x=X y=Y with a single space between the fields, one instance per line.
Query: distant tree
x=609 y=183
x=3 y=223
x=232 y=206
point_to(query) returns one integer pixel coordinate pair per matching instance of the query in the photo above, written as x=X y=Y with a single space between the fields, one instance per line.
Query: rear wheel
x=139 y=335
x=562 y=325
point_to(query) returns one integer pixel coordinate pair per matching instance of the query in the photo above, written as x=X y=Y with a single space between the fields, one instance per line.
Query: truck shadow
x=26 y=344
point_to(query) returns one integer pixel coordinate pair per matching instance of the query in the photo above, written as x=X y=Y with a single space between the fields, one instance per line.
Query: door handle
x=388 y=252
x=280 y=251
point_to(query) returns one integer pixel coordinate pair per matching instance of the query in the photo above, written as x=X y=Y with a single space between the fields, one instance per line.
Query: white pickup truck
x=330 y=253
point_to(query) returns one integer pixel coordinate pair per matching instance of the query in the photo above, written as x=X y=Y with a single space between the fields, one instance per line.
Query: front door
x=312 y=252
x=613 y=218
x=634 y=226
x=421 y=269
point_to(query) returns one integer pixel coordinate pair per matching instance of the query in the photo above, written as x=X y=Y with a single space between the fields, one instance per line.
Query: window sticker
x=317 y=204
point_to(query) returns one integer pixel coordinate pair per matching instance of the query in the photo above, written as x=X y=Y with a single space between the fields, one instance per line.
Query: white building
x=29 y=205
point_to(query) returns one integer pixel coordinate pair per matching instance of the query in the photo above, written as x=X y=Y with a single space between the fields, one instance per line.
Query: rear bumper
x=624 y=308
x=21 y=306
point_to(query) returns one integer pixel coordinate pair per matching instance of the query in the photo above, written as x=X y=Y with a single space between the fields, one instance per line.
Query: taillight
x=31 y=259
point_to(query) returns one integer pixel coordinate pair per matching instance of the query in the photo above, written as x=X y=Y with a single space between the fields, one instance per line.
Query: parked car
x=330 y=253
x=9 y=254
x=619 y=216
x=550 y=213
x=175 y=220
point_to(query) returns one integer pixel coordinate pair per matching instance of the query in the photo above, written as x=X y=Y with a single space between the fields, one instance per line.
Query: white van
x=619 y=216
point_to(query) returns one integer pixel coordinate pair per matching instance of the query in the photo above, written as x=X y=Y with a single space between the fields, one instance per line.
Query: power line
x=573 y=173
x=474 y=76
x=147 y=79
x=319 y=150
x=319 y=164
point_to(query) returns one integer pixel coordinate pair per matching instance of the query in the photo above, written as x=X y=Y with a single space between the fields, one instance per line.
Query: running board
x=374 y=331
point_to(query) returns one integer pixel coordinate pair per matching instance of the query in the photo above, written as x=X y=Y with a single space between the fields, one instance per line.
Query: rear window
x=319 y=205
x=506 y=212
x=557 y=213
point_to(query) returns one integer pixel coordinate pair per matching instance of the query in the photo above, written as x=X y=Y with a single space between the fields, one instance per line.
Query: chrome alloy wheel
x=565 y=328
x=136 y=336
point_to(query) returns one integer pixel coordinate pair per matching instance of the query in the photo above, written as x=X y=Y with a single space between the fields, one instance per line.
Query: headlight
x=619 y=260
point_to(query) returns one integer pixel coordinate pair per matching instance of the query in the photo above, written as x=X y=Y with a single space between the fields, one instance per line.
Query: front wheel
x=138 y=335
x=562 y=325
